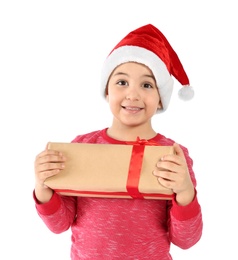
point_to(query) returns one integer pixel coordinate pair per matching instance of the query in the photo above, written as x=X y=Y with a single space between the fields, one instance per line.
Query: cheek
x=113 y=96
x=153 y=100
x=112 y=101
x=154 y=105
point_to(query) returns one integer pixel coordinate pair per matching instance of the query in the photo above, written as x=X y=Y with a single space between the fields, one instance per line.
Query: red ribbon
x=111 y=194
x=135 y=166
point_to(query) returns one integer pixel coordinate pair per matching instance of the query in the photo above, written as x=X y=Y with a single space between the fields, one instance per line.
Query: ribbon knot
x=141 y=142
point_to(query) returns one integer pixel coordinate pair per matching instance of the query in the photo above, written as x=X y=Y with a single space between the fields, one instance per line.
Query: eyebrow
x=150 y=76
x=123 y=73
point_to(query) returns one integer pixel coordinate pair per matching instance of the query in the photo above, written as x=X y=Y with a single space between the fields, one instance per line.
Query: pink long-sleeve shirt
x=108 y=229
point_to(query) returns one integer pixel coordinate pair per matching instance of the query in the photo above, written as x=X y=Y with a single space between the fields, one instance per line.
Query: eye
x=122 y=83
x=147 y=85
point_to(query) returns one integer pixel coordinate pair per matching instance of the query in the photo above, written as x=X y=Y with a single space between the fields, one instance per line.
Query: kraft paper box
x=109 y=171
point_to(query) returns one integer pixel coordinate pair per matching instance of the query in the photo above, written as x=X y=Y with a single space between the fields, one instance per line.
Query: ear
x=106 y=93
x=159 y=105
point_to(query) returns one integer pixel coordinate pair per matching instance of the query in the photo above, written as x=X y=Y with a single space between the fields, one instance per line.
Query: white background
x=51 y=53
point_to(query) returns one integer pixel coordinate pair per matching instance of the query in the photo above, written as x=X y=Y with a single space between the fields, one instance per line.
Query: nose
x=132 y=94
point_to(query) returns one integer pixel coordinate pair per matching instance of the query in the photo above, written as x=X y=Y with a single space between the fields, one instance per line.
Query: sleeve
x=59 y=213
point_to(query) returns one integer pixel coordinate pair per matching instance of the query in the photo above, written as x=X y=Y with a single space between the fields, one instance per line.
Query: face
x=132 y=94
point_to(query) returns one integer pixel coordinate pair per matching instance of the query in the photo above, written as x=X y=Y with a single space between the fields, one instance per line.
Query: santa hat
x=148 y=46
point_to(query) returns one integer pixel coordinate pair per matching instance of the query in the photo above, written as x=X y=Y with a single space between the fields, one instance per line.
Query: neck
x=128 y=133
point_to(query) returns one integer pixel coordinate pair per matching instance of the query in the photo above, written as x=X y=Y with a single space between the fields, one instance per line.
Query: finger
x=171 y=158
x=52 y=158
x=50 y=166
x=167 y=175
x=49 y=152
x=170 y=166
x=49 y=156
x=165 y=182
x=48 y=174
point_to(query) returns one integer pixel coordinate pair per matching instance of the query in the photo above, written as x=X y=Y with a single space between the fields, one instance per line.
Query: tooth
x=133 y=108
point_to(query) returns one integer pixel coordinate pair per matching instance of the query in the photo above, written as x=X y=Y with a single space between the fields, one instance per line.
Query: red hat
x=148 y=46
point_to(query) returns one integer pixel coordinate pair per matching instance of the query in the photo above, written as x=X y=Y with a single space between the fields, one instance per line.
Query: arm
x=185 y=217
x=185 y=224
x=58 y=212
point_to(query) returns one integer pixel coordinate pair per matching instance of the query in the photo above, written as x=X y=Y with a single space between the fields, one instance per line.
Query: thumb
x=178 y=150
x=47 y=146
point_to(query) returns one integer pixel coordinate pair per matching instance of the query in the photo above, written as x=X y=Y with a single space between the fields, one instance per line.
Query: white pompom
x=186 y=93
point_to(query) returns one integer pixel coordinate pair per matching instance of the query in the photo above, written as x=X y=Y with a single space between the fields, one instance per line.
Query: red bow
x=142 y=142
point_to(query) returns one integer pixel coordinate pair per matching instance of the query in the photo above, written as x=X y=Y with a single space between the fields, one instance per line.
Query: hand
x=172 y=172
x=48 y=163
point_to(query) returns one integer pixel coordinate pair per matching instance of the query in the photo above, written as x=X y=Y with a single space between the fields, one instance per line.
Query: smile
x=132 y=108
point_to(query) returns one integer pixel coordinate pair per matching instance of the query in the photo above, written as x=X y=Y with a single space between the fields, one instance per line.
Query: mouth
x=132 y=108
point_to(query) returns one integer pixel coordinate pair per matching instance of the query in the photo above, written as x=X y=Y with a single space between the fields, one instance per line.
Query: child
x=137 y=83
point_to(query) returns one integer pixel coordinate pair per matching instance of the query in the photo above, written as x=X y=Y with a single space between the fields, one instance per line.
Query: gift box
x=110 y=170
